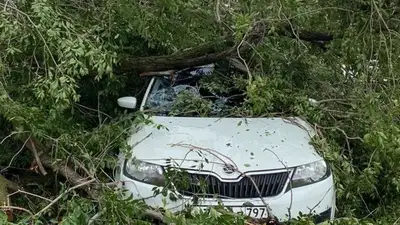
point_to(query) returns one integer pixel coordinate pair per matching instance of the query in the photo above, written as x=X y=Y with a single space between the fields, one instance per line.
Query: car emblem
x=228 y=169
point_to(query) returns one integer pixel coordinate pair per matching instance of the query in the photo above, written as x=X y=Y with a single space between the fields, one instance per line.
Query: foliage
x=57 y=85
x=188 y=104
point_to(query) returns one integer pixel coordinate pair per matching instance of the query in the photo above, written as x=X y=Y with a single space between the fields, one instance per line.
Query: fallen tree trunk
x=88 y=184
x=214 y=51
x=201 y=55
x=61 y=167
x=162 y=63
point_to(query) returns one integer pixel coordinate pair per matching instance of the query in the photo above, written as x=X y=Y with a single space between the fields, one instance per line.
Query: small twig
x=241 y=58
x=211 y=151
x=217 y=11
x=290 y=182
x=369 y=214
x=17 y=208
x=347 y=138
x=294 y=121
x=37 y=158
x=215 y=154
x=338 y=100
x=95 y=217
x=290 y=24
x=248 y=223
x=28 y=193
x=258 y=191
x=344 y=113
x=98 y=108
x=140 y=141
x=183 y=160
x=11 y=134
x=5 y=5
x=395 y=222
x=95 y=110
x=62 y=195
x=365 y=204
x=20 y=150
x=342 y=131
x=82 y=167
x=320 y=201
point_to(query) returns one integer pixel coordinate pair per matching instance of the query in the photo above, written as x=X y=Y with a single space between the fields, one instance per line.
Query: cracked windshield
x=201 y=91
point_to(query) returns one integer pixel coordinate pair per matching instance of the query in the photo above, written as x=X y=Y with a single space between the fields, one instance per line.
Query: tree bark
x=201 y=55
x=214 y=51
x=62 y=167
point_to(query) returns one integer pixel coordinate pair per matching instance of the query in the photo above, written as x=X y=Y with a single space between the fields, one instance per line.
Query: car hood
x=252 y=144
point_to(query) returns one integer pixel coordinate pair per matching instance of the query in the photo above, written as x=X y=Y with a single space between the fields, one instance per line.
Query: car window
x=193 y=92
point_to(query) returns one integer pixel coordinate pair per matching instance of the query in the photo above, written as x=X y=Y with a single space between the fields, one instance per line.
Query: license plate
x=255 y=212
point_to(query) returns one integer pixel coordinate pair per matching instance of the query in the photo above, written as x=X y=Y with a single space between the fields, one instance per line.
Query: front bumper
x=324 y=216
x=318 y=199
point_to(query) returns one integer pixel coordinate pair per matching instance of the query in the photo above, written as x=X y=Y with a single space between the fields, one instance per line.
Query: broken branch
x=67 y=172
x=64 y=193
x=8 y=207
x=28 y=193
x=174 y=61
x=32 y=147
x=214 y=51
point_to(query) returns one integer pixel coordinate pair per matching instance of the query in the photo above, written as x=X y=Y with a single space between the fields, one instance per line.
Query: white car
x=232 y=156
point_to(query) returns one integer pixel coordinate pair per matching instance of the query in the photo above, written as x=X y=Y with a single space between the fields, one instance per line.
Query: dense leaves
x=57 y=86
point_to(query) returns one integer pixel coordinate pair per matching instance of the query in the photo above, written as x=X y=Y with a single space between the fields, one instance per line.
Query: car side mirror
x=127 y=102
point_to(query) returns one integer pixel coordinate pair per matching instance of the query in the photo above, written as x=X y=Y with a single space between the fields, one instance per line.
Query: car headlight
x=310 y=173
x=144 y=172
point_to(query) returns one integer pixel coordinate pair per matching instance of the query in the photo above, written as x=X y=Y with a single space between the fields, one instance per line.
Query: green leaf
x=214 y=213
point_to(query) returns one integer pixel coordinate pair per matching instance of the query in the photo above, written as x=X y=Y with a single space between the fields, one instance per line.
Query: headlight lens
x=144 y=172
x=310 y=173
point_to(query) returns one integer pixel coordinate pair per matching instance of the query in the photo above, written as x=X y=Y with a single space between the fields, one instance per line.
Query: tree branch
x=206 y=54
x=213 y=51
x=61 y=167
x=64 y=193
x=32 y=147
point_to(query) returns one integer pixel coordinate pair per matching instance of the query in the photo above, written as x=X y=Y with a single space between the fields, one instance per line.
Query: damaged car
x=254 y=166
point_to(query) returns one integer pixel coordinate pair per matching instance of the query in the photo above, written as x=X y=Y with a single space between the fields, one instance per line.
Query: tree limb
x=214 y=51
x=188 y=58
x=305 y=35
x=64 y=193
x=32 y=147
x=9 y=207
x=61 y=167
x=75 y=179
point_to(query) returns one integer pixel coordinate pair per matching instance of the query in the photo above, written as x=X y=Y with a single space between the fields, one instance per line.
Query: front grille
x=210 y=186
